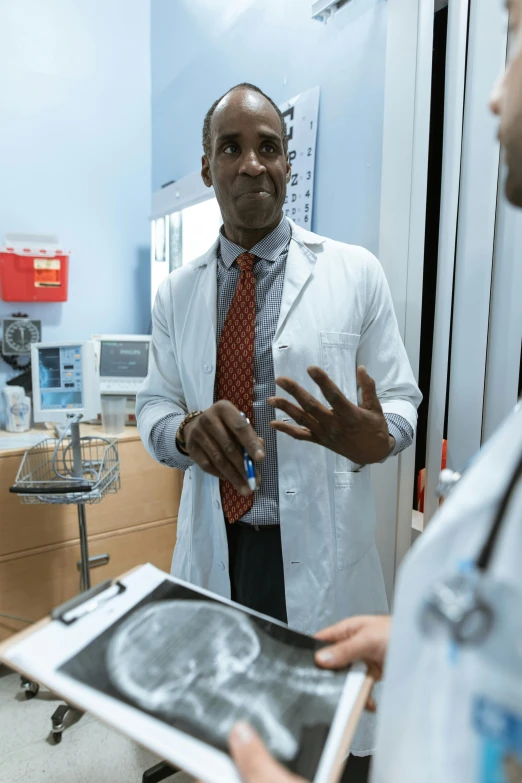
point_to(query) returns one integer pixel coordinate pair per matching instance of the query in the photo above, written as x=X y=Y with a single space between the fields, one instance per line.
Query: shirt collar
x=269 y=248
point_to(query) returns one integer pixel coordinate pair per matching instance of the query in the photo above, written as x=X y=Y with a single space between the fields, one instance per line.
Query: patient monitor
x=65 y=381
x=123 y=362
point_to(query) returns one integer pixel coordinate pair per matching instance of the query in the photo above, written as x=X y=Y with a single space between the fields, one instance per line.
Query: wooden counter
x=39 y=544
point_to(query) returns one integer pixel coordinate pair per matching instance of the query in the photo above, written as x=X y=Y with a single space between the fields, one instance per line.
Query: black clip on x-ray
x=87 y=602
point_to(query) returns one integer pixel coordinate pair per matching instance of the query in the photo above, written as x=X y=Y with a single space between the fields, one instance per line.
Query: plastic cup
x=113 y=414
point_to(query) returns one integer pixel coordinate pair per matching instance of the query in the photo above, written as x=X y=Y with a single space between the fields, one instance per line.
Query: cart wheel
x=57 y=721
x=31 y=692
x=29 y=687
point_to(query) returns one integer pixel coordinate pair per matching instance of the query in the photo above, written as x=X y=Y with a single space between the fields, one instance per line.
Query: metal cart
x=68 y=470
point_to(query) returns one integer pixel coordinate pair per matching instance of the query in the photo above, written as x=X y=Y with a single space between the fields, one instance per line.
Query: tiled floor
x=89 y=752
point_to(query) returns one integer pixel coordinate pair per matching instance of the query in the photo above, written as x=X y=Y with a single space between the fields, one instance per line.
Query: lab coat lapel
x=206 y=286
x=299 y=266
x=204 y=326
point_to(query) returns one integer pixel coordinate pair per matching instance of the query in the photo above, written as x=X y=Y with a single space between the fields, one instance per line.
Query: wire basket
x=47 y=473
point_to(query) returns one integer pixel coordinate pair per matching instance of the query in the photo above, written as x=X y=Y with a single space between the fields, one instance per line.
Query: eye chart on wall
x=301 y=114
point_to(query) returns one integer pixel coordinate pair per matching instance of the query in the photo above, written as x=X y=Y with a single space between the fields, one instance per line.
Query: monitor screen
x=124 y=358
x=60 y=374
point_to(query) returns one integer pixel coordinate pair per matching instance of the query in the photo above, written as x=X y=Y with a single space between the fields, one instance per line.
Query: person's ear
x=288 y=171
x=206 y=174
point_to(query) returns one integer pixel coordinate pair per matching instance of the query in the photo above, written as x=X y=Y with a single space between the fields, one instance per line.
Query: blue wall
x=75 y=154
x=200 y=48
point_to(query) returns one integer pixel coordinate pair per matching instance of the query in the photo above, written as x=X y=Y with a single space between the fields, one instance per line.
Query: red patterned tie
x=235 y=368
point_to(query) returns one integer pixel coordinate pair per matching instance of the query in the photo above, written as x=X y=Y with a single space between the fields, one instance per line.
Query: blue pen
x=249 y=466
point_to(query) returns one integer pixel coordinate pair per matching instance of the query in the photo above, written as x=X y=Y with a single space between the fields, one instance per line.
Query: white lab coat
x=336 y=312
x=447 y=714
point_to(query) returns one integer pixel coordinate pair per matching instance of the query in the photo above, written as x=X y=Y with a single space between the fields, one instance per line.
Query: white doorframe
x=401 y=238
x=487 y=38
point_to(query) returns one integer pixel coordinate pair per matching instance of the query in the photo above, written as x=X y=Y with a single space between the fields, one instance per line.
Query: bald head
x=245 y=87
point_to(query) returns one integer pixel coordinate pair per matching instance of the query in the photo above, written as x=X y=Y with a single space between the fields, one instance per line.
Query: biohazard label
x=47 y=273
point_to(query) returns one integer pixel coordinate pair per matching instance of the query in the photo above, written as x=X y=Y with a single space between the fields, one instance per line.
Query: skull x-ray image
x=208 y=663
x=199 y=665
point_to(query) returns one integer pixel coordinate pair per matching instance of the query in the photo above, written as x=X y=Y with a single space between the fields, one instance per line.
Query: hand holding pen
x=217 y=439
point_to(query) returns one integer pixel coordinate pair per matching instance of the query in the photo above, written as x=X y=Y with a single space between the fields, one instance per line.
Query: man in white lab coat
x=271 y=299
x=451 y=707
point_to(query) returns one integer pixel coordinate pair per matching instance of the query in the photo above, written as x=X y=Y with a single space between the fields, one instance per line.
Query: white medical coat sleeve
x=382 y=351
x=161 y=394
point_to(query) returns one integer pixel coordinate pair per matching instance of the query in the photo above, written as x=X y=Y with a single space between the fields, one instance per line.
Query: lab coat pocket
x=354 y=516
x=480 y=688
x=339 y=355
x=339 y=352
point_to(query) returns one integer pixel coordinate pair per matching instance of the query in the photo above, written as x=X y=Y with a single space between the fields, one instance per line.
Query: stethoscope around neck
x=458 y=602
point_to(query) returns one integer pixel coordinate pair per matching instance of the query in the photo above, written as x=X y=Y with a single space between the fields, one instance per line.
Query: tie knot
x=245 y=262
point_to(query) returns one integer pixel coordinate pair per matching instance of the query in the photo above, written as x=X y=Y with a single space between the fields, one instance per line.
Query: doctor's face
x=506 y=103
x=247 y=166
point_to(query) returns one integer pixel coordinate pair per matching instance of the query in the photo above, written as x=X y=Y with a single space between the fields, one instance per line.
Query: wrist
x=385 y=450
x=181 y=435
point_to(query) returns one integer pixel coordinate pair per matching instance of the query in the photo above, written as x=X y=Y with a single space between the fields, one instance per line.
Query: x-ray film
x=176 y=667
x=211 y=665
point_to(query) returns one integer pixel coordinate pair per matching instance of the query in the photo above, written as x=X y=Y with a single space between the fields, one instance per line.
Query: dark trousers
x=357 y=769
x=257 y=581
x=256 y=568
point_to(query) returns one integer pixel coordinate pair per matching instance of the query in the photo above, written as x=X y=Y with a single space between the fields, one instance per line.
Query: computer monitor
x=123 y=362
x=65 y=381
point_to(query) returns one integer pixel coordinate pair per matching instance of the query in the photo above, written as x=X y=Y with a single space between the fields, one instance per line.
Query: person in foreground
x=451 y=707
